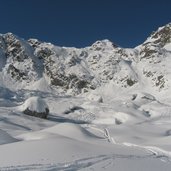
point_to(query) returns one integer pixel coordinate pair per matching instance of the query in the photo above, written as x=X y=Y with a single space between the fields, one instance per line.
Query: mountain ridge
x=74 y=70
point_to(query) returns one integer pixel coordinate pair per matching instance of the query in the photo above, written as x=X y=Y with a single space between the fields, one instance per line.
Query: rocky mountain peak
x=161 y=37
x=103 y=44
x=34 y=42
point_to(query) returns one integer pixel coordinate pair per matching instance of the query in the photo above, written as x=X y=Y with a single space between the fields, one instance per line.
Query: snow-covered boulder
x=142 y=98
x=95 y=98
x=35 y=106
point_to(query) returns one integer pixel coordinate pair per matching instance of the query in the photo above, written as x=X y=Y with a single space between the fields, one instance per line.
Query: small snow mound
x=115 y=119
x=142 y=98
x=39 y=135
x=104 y=121
x=35 y=106
x=96 y=98
x=121 y=117
x=74 y=131
x=40 y=85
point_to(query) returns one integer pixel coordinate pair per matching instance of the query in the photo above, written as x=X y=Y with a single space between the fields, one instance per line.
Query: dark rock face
x=14 y=48
x=153 y=47
x=16 y=73
x=131 y=82
x=34 y=43
x=37 y=114
x=162 y=36
x=153 y=53
x=20 y=60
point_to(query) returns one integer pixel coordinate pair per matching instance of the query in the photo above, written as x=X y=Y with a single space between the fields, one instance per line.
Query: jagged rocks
x=162 y=36
x=44 y=53
x=34 y=43
x=16 y=73
x=37 y=114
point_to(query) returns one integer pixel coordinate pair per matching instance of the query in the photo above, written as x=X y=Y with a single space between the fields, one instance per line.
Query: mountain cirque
x=106 y=107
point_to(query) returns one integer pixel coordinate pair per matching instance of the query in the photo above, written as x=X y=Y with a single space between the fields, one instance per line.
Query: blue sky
x=79 y=23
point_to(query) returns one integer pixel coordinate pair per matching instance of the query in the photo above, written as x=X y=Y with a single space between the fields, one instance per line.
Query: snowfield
x=110 y=139
x=109 y=108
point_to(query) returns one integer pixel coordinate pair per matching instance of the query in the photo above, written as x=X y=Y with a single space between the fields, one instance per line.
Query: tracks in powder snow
x=75 y=165
x=158 y=153
x=104 y=161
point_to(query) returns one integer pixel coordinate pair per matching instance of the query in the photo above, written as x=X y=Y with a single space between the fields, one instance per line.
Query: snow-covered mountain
x=73 y=70
x=106 y=107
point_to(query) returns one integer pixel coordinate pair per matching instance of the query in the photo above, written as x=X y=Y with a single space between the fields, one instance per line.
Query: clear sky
x=79 y=23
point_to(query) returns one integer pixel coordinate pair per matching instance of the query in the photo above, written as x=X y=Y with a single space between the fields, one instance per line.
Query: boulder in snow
x=35 y=106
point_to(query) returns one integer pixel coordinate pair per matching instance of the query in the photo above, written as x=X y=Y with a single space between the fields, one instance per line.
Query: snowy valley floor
x=130 y=132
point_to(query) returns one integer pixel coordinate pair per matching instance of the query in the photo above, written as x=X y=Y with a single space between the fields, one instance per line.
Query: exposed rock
x=163 y=35
x=35 y=106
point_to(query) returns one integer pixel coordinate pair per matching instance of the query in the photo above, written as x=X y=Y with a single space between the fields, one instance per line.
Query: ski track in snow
x=77 y=164
x=159 y=153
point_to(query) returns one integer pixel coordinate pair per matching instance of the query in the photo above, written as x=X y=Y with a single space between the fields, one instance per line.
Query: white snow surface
x=123 y=123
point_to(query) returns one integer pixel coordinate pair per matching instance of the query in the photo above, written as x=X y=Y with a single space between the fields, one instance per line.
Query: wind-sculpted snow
x=108 y=107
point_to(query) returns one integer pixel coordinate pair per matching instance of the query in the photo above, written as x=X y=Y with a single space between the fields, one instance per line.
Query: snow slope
x=110 y=107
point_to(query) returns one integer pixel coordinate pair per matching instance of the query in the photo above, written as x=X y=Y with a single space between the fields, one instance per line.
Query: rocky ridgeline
x=81 y=70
